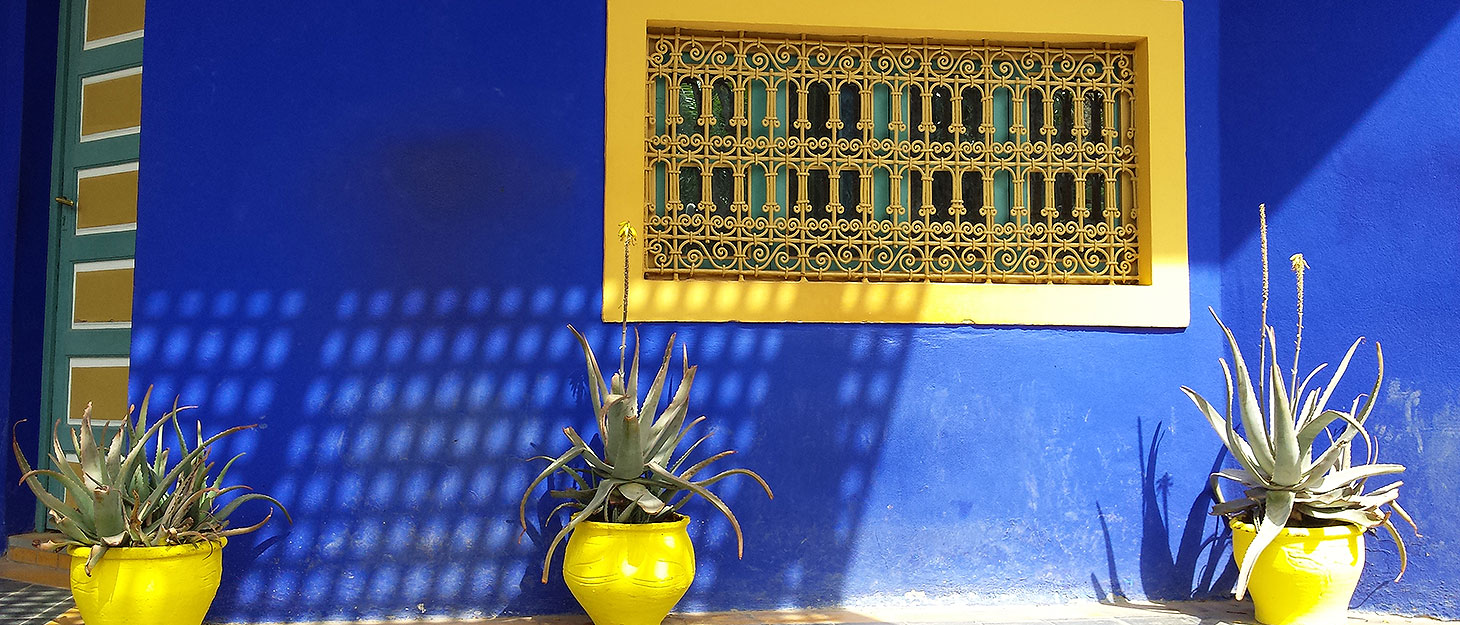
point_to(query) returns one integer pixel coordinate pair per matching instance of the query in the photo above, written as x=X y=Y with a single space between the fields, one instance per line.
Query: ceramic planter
x=1306 y=576
x=629 y=574
x=133 y=585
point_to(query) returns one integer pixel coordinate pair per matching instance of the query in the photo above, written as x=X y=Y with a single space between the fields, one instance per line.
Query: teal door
x=94 y=217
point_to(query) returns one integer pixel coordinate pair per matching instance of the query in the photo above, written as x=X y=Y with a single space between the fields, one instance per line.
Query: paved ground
x=31 y=604
x=1180 y=613
x=27 y=604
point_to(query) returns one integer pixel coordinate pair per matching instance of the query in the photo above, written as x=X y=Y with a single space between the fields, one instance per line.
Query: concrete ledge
x=24 y=562
x=33 y=574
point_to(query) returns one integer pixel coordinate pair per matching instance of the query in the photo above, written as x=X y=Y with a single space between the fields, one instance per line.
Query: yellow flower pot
x=1306 y=576
x=136 y=585
x=629 y=574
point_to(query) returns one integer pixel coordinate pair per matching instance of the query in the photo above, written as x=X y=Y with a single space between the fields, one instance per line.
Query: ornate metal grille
x=774 y=157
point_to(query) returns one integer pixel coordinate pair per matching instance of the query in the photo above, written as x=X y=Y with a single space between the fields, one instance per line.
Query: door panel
x=94 y=220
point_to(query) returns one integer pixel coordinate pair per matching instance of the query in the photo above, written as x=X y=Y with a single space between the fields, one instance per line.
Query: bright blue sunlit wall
x=367 y=230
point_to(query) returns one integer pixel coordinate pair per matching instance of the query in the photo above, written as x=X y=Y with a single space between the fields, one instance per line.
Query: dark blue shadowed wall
x=27 y=75
x=1344 y=122
x=12 y=72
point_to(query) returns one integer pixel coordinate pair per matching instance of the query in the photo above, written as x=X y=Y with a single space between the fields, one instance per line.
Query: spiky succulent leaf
x=631 y=388
x=1226 y=431
x=656 y=389
x=1287 y=466
x=223 y=514
x=141 y=424
x=552 y=467
x=109 y=518
x=629 y=483
x=97 y=551
x=629 y=462
x=1399 y=543
x=251 y=528
x=600 y=497
x=615 y=411
x=1309 y=433
x=1338 y=374
x=114 y=454
x=746 y=472
x=710 y=497
x=1346 y=477
x=1250 y=410
x=90 y=457
x=80 y=495
x=595 y=463
x=1236 y=506
x=1310 y=408
x=56 y=505
x=122 y=498
x=597 y=389
x=685 y=456
x=668 y=430
x=71 y=529
x=645 y=500
x=1289 y=483
x=1276 y=509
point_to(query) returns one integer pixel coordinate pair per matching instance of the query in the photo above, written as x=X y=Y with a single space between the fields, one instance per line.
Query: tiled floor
x=27 y=604
x=1178 y=613
x=31 y=604
x=1126 y=613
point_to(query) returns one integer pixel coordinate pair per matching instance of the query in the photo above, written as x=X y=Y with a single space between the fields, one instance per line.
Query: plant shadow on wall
x=396 y=424
x=1200 y=568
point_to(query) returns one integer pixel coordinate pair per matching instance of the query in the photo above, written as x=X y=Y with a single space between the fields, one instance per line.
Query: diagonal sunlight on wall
x=1002 y=464
x=400 y=451
x=1374 y=215
x=1387 y=226
x=1296 y=77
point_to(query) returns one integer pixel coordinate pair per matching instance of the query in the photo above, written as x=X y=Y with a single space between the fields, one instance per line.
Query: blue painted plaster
x=369 y=234
x=27 y=70
x=1353 y=144
x=366 y=231
x=12 y=71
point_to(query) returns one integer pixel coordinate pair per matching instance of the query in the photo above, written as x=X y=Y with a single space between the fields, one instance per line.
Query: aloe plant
x=635 y=475
x=1284 y=482
x=122 y=497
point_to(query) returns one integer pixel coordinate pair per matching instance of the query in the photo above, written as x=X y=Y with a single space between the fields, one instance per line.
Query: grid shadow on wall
x=396 y=424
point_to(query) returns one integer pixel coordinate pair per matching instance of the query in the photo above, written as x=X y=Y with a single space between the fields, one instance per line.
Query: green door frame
x=63 y=340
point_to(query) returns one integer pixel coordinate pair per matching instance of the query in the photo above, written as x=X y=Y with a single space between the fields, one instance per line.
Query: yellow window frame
x=1161 y=299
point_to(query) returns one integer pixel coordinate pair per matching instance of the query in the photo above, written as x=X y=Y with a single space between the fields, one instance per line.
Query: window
x=925 y=167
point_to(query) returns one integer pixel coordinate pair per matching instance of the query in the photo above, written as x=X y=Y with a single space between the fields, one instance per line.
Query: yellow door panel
x=101 y=381
x=103 y=293
x=111 y=104
x=108 y=21
x=106 y=197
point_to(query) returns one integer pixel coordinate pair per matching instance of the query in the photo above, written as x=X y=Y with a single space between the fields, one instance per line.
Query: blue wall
x=1344 y=122
x=12 y=72
x=27 y=72
x=367 y=231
